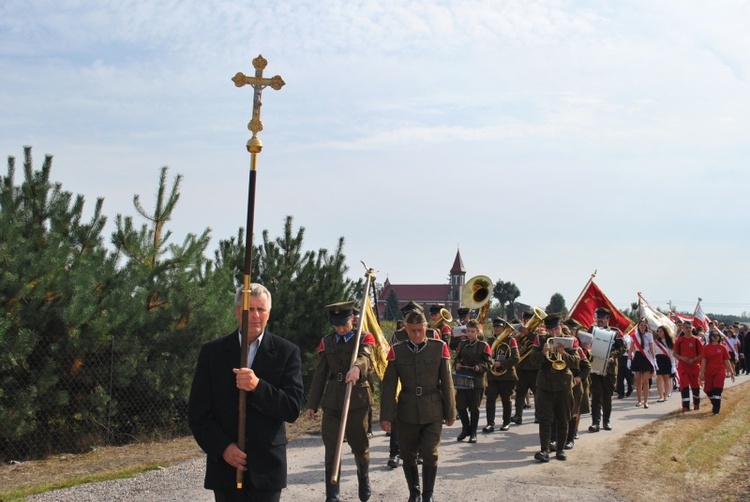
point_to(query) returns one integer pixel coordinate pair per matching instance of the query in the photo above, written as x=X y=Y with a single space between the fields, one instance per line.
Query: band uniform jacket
x=618 y=348
x=548 y=378
x=214 y=401
x=427 y=393
x=472 y=354
x=402 y=336
x=508 y=363
x=328 y=387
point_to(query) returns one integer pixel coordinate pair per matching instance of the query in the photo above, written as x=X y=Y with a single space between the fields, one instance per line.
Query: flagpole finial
x=594 y=274
x=700 y=299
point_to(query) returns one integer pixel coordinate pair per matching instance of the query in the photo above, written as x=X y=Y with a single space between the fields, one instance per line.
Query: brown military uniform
x=425 y=400
x=468 y=355
x=603 y=386
x=328 y=390
x=554 y=393
x=502 y=385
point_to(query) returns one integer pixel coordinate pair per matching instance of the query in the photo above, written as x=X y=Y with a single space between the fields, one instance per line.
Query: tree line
x=99 y=334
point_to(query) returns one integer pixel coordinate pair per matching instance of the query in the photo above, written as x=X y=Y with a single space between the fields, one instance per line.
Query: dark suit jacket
x=214 y=404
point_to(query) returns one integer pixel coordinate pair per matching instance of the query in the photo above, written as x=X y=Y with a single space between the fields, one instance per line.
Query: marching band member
x=715 y=366
x=526 y=371
x=473 y=358
x=687 y=351
x=426 y=400
x=439 y=324
x=459 y=332
x=502 y=385
x=580 y=380
x=332 y=374
x=641 y=353
x=554 y=394
x=603 y=386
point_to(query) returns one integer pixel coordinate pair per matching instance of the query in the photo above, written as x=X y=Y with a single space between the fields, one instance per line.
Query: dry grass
x=688 y=456
x=37 y=476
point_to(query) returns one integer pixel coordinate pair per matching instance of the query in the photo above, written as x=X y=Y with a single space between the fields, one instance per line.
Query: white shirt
x=252 y=348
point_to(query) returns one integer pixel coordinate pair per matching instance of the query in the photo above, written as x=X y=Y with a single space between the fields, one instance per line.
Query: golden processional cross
x=254 y=146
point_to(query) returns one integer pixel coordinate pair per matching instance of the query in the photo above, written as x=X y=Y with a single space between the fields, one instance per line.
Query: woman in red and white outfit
x=665 y=366
x=687 y=350
x=715 y=367
x=641 y=352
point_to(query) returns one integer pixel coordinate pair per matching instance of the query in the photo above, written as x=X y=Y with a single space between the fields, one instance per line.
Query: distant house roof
x=437 y=293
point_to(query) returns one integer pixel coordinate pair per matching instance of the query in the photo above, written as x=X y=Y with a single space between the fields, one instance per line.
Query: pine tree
x=392 y=312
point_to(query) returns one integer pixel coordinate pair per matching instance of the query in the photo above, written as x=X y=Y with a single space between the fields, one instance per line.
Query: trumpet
x=554 y=356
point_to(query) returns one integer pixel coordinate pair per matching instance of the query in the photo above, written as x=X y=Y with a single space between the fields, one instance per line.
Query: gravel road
x=499 y=466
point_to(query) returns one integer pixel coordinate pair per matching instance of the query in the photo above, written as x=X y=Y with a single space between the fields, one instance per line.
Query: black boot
x=332 y=491
x=363 y=480
x=465 y=424
x=411 y=473
x=428 y=482
x=473 y=427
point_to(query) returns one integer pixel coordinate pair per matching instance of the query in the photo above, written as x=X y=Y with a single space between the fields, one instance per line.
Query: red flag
x=591 y=299
x=699 y=318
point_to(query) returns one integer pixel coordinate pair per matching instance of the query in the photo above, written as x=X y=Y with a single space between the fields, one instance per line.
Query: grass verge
x=688 y=456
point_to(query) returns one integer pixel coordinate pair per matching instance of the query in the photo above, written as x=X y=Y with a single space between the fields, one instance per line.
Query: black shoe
x=473 y=438
x=594 y=428
x=576 y=436
x=620 y=396
x=419 y=460
x=505 y=426
x=393 y=462
x=560 y=455
x=606 y=426
x=464 y=434
x=526 y=406
x=569 y=445
x=630 y=391
x=516 y=419
x=542 y=456
x=490 y=428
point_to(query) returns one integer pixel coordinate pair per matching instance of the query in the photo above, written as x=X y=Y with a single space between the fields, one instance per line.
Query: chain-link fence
x=104 y=399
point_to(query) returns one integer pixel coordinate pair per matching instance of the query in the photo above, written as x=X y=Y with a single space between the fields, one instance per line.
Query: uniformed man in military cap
x=401 y=335
x=603 y=386
x=332 y=374
x=580 y=383
x=473 y=360
x=426 y=399
x=458 y=334
x=554 y=386
x=438 y=322
x=502 y=378
x=526 y=369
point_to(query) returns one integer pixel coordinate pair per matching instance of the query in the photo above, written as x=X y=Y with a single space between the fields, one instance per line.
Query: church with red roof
x=426 y=294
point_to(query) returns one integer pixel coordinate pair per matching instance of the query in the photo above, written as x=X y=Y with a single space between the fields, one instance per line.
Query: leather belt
x=420 y=391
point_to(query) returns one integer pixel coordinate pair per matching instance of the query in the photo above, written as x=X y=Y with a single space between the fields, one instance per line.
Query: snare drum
x=601 y=346
x=462 y=382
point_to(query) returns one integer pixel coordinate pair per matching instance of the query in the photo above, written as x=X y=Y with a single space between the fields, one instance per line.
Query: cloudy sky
x=544 y=139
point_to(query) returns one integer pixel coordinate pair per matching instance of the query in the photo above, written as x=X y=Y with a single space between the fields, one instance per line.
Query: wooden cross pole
x=254 y=146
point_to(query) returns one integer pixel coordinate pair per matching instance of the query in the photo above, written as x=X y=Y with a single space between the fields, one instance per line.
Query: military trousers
x=356 y=435
x=419 y=440
x=526 y=381
x=553 y=406
x=602 y=389
x=504 y=389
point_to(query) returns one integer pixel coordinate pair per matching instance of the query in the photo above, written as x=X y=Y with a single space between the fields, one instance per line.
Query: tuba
x=501 y=348
x=476 y=294
x=526 y=341
x=445 y=316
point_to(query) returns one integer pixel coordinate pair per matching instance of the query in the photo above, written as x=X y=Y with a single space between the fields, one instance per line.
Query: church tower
x=457 y=278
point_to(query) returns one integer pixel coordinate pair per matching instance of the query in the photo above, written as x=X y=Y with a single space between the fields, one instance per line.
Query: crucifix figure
x=258 y=83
